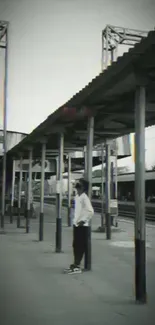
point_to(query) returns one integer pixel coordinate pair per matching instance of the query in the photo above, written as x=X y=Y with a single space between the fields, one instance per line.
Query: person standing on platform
x=82 y=216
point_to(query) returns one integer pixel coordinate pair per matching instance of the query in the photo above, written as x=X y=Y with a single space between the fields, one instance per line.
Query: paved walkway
x=34 y=290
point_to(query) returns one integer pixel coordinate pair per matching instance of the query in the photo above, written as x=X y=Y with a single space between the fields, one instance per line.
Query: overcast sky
x=55 y=50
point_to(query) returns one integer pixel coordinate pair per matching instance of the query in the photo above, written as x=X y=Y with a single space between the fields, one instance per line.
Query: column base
x=18 y=218
x=28 y=213
x=25 y=213
x=2 y=232
x=58 y=235
x=11 y=214
x=101 y=229
x=140 y=271
x=2 y=221
x=59 y=251
x=41 y=224
x=69 y=217
x=108 y=226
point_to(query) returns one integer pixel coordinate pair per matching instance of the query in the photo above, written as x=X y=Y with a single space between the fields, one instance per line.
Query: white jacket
x=83 y=210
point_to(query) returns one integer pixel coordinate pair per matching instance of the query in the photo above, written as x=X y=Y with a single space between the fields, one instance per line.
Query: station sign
x=50 y=166
x=113 y=204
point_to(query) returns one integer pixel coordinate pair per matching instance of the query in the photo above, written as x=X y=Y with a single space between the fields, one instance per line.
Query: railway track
x=125 y=210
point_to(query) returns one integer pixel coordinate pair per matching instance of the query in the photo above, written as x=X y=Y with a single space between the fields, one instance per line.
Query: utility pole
x=4 y=45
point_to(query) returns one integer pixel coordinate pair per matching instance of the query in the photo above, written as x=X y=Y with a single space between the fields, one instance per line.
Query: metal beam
x=66 y=150
x=115 y=106
x=2 y=47
x=115 y=131
x=3 y=33
x=58 y=129
x=113 y=36
x=110 y=138
x=109 y=133
x=110 y=115
x=150 y=107
x=130 y=31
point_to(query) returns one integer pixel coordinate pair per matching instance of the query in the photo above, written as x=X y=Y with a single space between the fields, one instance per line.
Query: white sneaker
x=75 y=270
x=69 y=268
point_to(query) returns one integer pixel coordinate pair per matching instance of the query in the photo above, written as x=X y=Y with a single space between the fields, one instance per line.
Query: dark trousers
x=80 y=236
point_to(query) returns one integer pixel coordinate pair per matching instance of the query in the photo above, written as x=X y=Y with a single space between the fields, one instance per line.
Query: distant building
x=13 y=138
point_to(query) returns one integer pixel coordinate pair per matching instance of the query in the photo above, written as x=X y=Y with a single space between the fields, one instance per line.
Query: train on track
x=126 y=186
x=125 y=209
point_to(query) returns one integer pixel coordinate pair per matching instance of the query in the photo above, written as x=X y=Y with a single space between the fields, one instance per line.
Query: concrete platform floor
x=34 y=290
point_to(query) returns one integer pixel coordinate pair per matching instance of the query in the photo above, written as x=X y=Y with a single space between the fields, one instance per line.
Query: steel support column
x=103 y=53
x=69 y=190
x=140 y=249
x=112 y=56
x=25 y=178
x=116 y=187
x=102 y=192
x=29 y=193
x=12 y=192
x=59 y=196
x=26 y=191
x=107 y=193
x=107 y=48
x=112 y=195
x=90 y=140
x=19 y=192
x=85 y=161
x=116 y=52
x=42 y=190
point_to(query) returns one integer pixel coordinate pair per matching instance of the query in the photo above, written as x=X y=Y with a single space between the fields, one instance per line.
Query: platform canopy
x=110 y=98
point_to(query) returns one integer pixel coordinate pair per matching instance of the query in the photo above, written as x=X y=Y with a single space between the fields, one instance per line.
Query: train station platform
x=34 y=290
